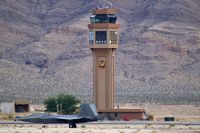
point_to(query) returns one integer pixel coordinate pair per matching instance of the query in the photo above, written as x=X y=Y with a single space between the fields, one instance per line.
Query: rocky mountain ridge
x=43 y=50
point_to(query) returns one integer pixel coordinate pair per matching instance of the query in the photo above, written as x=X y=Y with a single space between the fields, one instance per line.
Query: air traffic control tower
x=103 y=40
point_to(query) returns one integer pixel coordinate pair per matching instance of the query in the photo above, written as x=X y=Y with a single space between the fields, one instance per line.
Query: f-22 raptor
x=87 y=113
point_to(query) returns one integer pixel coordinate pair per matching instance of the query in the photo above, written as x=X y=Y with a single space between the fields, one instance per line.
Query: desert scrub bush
x=10 y=117
x=190 y=128
x=171 y=125
x=150 y=117
x=149 y=124
x=83 y=126
x=44 y=126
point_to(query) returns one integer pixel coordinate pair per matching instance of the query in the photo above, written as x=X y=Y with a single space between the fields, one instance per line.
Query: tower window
x=113 y=37
x=91 y=37
x=101 y=37
x=103 y=18
x=92 y=18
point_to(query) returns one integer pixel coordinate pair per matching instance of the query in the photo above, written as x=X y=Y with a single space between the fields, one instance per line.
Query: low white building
x=15 y=107
x=7 y=107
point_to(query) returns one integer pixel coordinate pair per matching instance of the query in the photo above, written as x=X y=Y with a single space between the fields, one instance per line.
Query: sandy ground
x=181 y=112
x=96 y=128
x=190 y=113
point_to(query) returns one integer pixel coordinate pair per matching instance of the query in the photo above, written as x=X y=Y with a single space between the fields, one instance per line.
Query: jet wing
x=73 y=118
x=34 y=118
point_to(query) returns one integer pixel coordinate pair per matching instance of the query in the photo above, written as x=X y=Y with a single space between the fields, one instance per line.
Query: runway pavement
x=147 y=122
x=118 y=123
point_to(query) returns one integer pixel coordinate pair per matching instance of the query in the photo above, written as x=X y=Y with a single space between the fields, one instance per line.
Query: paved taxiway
x=120 y=123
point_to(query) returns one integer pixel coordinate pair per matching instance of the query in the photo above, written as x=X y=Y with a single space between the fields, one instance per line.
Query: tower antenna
x=103 y=4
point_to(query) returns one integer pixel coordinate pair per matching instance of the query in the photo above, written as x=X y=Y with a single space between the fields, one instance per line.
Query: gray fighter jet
x=87 y=113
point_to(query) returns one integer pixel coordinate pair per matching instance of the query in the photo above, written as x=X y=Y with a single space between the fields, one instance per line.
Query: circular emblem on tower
x=102 y=63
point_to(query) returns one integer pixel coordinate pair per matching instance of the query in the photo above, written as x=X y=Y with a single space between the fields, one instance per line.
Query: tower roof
x=103 y=26
x=105 y=11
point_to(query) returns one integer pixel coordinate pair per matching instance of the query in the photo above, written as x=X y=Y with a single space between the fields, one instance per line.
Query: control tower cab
x=103 y=40
x=103 y=30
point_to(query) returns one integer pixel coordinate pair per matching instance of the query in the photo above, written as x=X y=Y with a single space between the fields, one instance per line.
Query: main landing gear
x=72 y=125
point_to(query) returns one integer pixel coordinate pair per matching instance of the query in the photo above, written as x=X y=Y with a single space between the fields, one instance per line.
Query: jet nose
x=17 y=118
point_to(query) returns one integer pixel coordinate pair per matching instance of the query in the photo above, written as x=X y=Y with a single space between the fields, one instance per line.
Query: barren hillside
x=43 y=50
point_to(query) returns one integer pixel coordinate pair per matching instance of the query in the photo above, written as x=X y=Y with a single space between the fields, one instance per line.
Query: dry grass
x=7 y=116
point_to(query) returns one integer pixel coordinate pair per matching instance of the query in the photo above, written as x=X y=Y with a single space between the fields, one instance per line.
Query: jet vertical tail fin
x=88 y=110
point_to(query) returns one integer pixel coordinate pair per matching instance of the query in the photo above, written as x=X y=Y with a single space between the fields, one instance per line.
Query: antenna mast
x=103 y=4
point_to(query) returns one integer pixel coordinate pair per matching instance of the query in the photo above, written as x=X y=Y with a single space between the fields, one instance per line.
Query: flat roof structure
x=123 y=114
